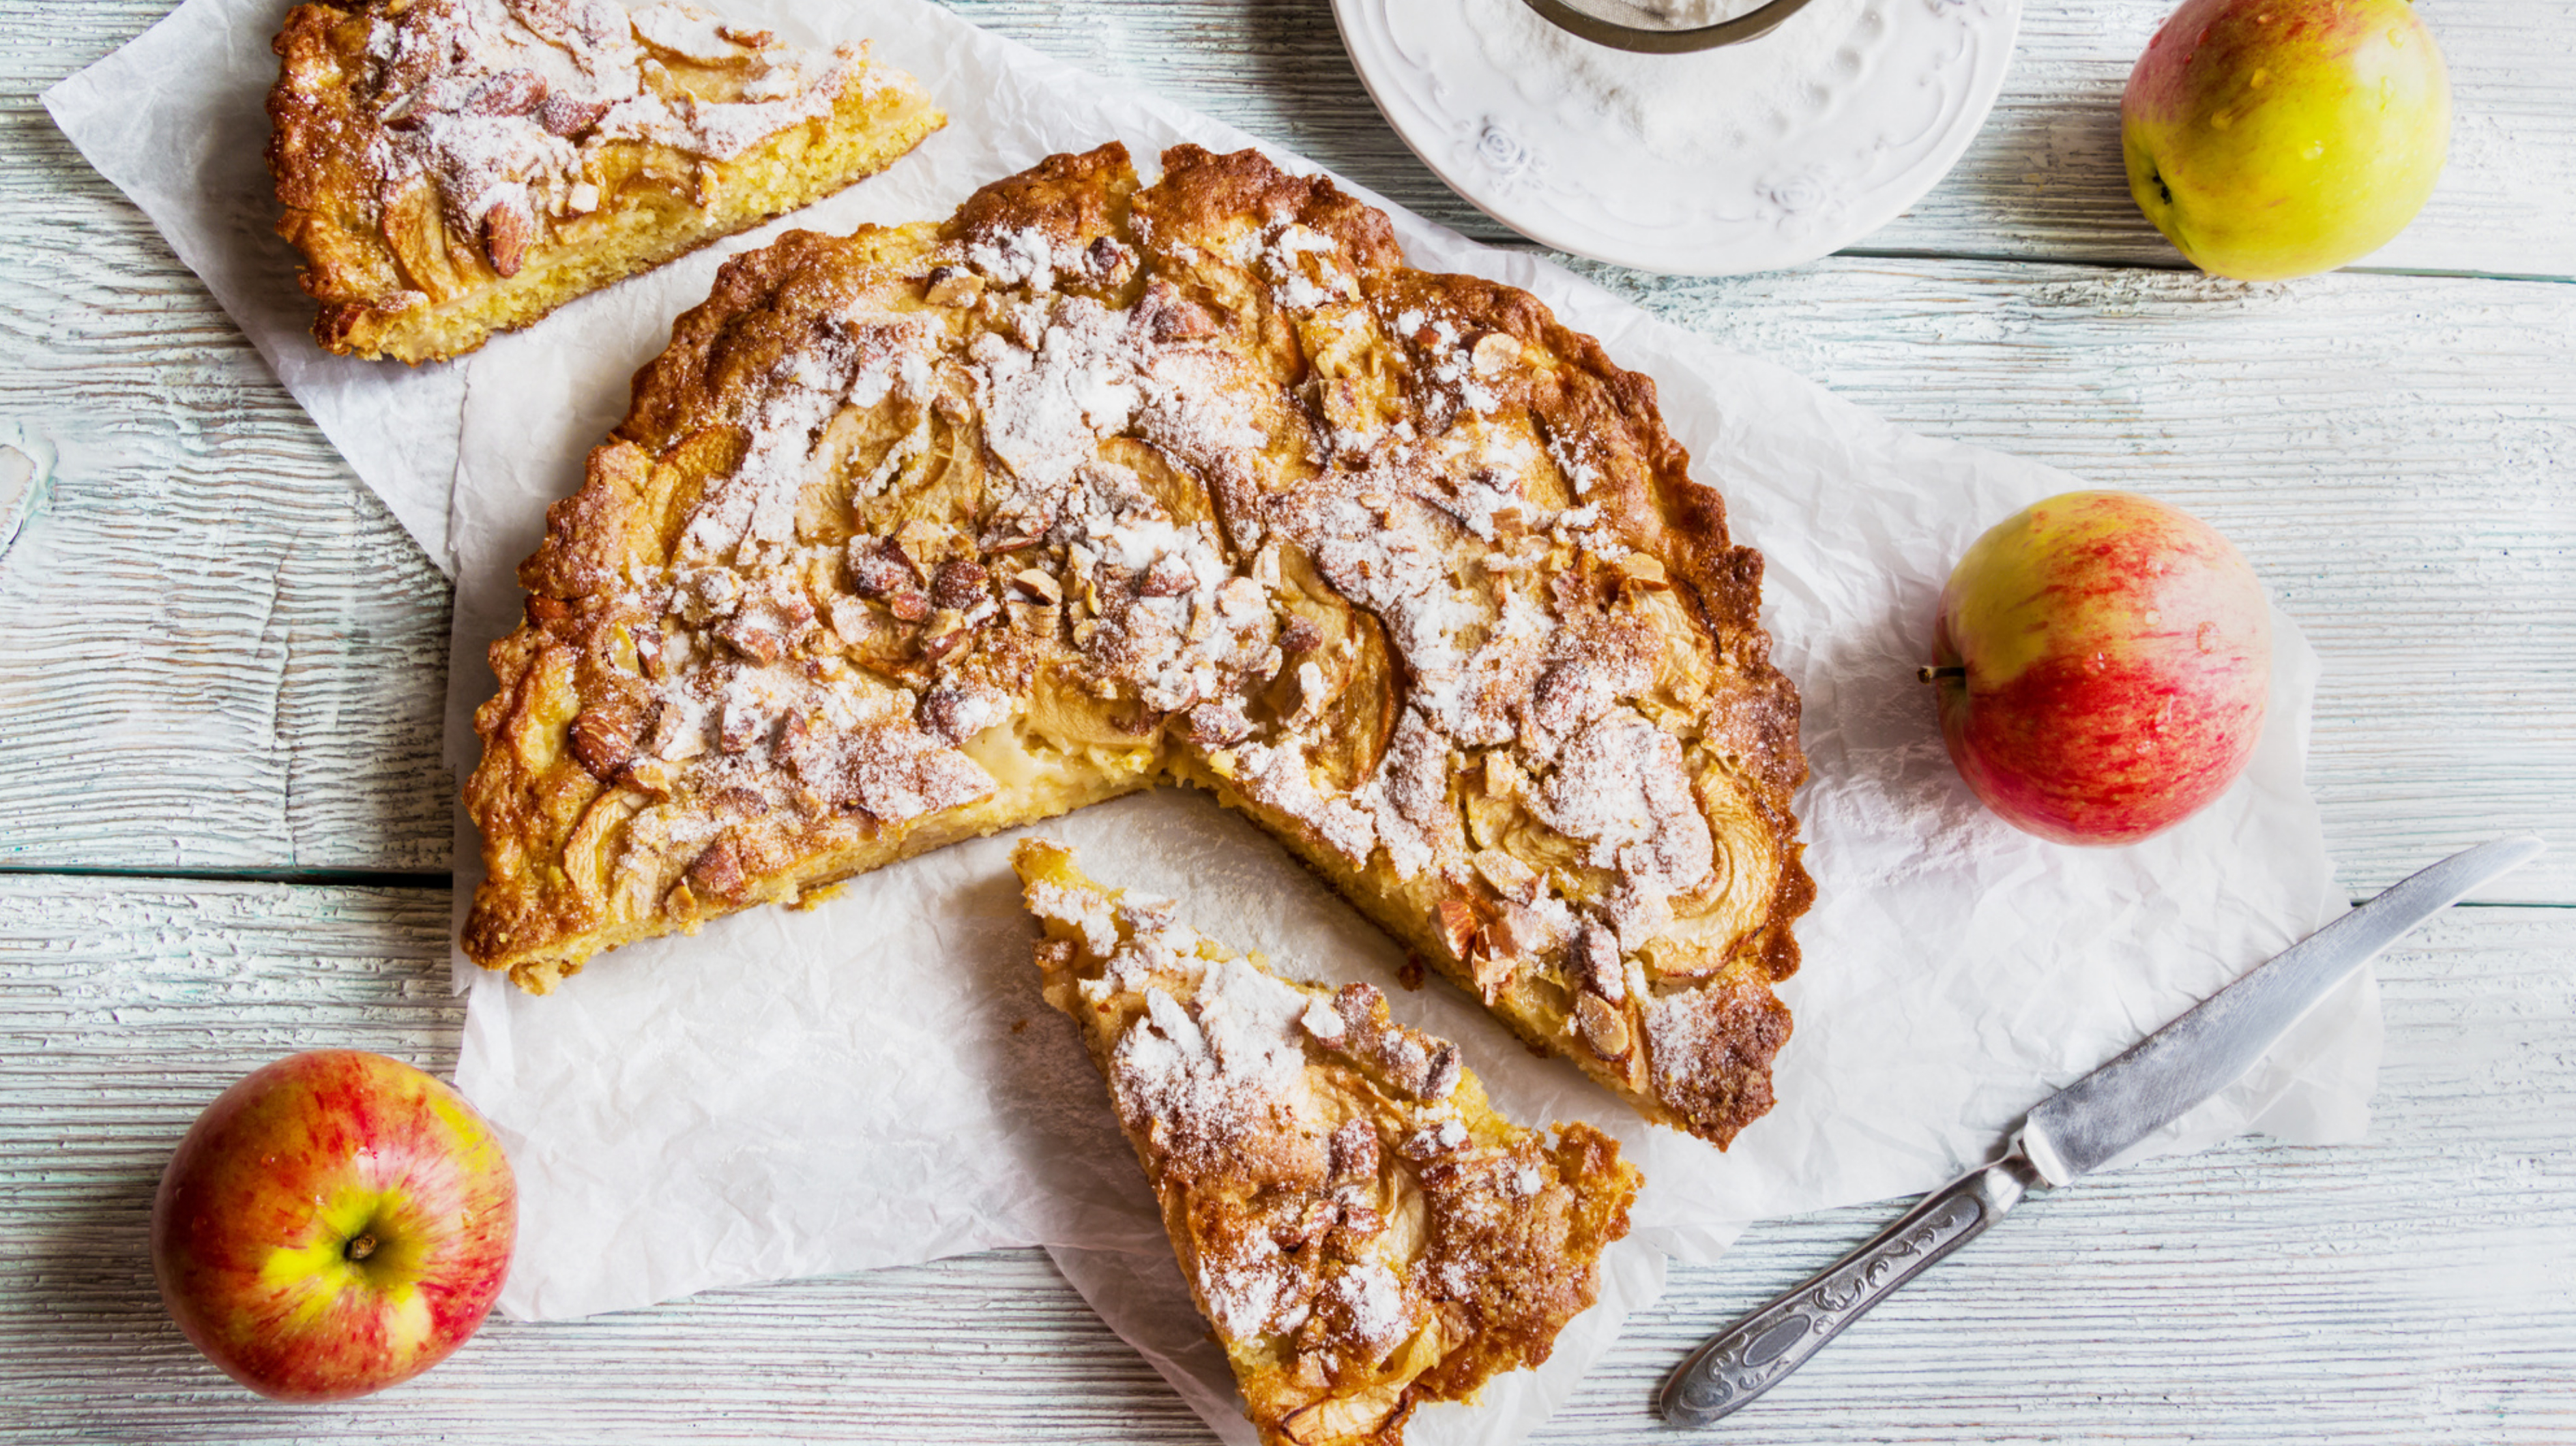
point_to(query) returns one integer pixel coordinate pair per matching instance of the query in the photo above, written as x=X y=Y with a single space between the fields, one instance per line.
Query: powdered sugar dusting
x=1019 y=257
x=1692 y=1042
x=1372 y=1305
x=687 y=31
x=1254 y=1291
x=1087 y=910
x=1290 y=1172
x=749 y=517
x=1203 y=1079
x=1621 y=788
x=1046 y=406
x=1167 y=615
x=502 y=104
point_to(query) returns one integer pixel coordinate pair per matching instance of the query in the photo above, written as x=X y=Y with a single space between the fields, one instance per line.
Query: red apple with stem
x=2102 y=661
x=334 y=1223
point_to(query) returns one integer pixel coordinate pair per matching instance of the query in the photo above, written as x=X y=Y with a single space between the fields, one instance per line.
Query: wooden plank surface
x=2254 y=1294
x=209 y=592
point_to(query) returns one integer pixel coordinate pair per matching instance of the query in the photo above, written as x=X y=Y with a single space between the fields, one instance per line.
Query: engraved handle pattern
x=1752 y=1355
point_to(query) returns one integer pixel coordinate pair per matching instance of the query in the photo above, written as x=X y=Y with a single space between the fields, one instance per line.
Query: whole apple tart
x=934 y=530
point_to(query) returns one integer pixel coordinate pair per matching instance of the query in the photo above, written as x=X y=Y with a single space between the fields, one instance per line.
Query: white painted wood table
x=224 y=826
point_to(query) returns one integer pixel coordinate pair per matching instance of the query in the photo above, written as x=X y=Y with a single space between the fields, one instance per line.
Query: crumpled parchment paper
x=876 y=1081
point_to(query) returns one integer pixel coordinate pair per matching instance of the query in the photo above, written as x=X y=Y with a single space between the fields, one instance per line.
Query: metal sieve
x=1625 y=26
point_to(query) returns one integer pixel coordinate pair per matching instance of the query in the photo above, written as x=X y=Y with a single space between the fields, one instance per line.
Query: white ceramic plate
x=1832 y=132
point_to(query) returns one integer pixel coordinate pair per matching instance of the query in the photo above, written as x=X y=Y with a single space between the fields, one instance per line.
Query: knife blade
x=2076 y=1130
x=2205 y=1050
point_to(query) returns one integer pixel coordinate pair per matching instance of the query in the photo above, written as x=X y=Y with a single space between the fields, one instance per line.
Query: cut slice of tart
x=928 y=531
x=452 y=168
x=1360 y=1228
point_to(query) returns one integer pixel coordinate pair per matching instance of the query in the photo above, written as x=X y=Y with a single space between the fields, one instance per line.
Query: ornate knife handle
x=1752 y=1355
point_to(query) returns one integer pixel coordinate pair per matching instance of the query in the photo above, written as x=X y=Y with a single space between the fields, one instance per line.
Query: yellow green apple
x=2102 y=661
x=334 y=1223
x=2277 y=138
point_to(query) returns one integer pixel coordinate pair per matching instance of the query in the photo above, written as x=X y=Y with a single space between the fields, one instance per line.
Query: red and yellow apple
x=334 y=1223
x=2277 y=138
x=2102 y=661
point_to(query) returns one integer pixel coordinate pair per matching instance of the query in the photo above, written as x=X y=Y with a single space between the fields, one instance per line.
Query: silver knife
x=2075 y=1130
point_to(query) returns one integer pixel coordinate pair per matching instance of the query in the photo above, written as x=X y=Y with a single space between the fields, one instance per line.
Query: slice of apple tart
x=1362 y=1230
x=452 y=168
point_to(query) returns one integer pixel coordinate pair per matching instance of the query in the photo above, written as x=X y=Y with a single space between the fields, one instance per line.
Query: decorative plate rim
x=1523 y=199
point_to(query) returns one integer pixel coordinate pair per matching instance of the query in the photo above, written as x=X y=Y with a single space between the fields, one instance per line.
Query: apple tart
x=928 y=531
x=1359 y=1226
x=452 y=168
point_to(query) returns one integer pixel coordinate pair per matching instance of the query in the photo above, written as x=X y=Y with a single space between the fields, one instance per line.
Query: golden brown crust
x=405 y=265
x=1094 y=485
x=1365 y=1233
x=1069 y=199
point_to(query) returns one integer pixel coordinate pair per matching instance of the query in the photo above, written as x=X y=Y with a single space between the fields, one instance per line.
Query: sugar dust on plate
x=1701 y=106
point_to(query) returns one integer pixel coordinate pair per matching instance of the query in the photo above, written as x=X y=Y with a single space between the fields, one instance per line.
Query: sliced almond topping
x=1495 y=352
x=1009 y=534
x=1038 y=586
x=958 y=584
x=1240 y=597
x=512 y=92
x=651 y=775
x=1522 y=932
x=1457 y=927
x=1598 y=954
x=1353 y=1149
x=1602 y=1027
x=1212 y=725
x=505 y=238
x=603 y=736
x=1509 y=876
x=877 y=566
x=1168 y=577
x=947 y=633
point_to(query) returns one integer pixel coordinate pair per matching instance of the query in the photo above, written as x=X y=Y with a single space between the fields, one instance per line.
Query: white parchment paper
x=876 y=1082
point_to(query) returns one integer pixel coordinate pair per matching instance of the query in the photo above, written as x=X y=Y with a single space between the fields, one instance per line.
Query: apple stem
x=361 y=1248
x=1935 y=675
